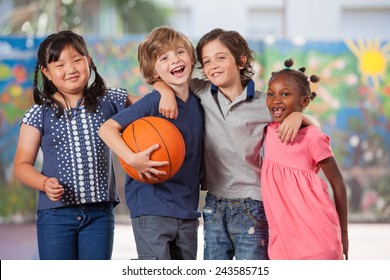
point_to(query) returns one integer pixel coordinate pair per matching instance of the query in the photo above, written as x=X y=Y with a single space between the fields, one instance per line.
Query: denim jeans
x=84 y=232
x=234 y=229
x=165 y=238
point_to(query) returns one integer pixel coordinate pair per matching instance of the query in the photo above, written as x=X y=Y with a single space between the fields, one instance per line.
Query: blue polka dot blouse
x=73 y=152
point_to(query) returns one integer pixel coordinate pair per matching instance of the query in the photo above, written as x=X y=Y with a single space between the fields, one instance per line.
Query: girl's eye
x=221 y=57
x=205 y=62
x=270 y=94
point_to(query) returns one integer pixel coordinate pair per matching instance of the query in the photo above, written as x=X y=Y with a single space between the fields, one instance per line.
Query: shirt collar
x=250 y=89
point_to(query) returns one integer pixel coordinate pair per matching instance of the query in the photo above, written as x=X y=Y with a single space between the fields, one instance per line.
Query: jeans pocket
x=255 y=211
x=208 y=213
x=45 y=213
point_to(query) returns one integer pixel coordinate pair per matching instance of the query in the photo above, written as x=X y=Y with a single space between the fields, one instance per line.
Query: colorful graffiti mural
x=353 y=106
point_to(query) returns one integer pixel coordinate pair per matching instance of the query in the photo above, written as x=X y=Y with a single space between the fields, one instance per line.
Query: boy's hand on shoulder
x=168 y=112
x=288 y=129
x=168 y=106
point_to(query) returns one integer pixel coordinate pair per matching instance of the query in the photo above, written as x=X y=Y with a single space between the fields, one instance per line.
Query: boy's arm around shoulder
x=310 y=120
x=288 y=129
x=168 y=105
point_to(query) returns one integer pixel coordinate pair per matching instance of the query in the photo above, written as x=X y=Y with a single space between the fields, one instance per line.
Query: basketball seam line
x=166 y=148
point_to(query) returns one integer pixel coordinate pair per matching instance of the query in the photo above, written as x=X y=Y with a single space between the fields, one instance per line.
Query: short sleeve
x=321 y=147
x=115 y=99
x=34 y=117
x=146 y=106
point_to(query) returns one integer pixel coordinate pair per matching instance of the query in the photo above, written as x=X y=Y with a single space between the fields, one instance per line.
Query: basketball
x=147 y=131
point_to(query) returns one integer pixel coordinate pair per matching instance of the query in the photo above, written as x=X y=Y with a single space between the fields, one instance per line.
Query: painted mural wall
x=352 y=104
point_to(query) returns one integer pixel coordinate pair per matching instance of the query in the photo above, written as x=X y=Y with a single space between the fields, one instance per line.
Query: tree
x=26 y=17
x=140 y=16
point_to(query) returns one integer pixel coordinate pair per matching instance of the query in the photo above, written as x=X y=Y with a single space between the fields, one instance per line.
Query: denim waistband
x=231 y=200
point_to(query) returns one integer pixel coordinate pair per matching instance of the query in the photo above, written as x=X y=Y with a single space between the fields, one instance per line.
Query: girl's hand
x=288 y=129
x=53 y=189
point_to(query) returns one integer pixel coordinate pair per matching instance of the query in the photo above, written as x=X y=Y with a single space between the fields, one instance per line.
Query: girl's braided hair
x=302 y=80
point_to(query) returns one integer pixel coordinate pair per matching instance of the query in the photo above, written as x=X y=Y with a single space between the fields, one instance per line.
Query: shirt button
x=79 y=218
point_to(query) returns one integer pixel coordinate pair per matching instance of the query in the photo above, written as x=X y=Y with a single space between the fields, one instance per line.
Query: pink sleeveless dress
x=302 y=217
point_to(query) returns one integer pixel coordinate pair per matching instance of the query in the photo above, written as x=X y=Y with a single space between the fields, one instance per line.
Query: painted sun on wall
x=372 y=59
x=352 y=105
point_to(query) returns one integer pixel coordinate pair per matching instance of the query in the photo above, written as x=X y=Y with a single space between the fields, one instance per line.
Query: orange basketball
x=147 y=131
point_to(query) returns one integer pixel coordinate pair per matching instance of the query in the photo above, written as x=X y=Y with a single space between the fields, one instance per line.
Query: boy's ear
x=156 y=76
x=243 y=59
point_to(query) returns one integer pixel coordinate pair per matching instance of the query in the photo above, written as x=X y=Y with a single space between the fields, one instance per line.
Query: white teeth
x=178 y=69
x=277 y=112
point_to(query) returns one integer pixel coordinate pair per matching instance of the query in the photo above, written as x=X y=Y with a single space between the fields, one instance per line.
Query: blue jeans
x=165 y=238
x=83 y=232
x=234 y=228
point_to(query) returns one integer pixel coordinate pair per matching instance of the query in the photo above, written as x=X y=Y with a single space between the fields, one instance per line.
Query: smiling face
x=284 y=97
x=174 y=67
x=219 y=65
x=70 y=73
x=165 y=50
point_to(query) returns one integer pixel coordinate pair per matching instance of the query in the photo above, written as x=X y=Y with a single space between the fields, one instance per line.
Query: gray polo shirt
x=232 y=140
